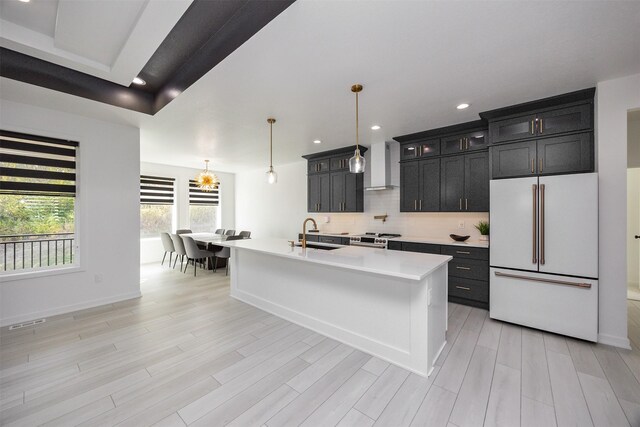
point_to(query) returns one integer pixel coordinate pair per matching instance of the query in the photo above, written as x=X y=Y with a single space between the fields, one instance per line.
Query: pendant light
x=207 y=181
x=357 y=162
x=272 y=176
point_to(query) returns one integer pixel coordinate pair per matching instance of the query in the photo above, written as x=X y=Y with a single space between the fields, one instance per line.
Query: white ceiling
x=417 y=60
x=110 y=39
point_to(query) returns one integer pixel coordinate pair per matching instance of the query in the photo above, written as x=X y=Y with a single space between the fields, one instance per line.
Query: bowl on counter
x=458 y=238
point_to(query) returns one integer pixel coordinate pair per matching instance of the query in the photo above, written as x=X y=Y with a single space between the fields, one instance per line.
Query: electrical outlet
x=98 y=278
x=461 y=224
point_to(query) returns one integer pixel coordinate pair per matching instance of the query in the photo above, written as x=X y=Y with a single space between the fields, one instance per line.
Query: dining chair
x=194 y=253
x=184 y=231
x=230 y=233
x=224 y=253
x=167 y=243
x=178 y=244
x=220 y=231
x=245 y=234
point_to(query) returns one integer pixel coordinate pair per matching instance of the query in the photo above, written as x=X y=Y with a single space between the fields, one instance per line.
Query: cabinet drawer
x=330 y=239
x=421 y=247
x=469 y=269
x=476 y=290
x=394 y=246
x=465 y=252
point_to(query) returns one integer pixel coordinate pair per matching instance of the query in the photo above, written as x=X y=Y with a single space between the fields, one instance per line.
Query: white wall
x=633 y=227
x=151 y=248
x=613 y=99
x=107 y=221
x=278 y=210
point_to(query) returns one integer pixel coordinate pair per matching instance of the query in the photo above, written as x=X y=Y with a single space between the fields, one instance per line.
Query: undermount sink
x=321 y=247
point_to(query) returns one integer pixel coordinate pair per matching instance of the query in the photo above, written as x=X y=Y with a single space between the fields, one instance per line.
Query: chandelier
x=206 y=180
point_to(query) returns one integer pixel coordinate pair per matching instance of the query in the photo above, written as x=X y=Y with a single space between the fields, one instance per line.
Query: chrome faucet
x=304 y=230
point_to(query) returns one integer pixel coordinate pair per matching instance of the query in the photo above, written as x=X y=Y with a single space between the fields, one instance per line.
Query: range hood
x=380 y=166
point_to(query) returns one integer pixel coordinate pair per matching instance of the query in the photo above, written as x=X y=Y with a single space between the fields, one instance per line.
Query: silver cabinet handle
x=463 y=288
x=463 y=268
x=466 y=204
x=542 y=224
x=415 y=205
x=460 y=204
x=534 y=226
x=553 y=282
x=463 y=252
x=420 y=204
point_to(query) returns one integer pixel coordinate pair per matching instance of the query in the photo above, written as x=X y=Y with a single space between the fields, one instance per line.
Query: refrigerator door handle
x=542 y=224
x=534 y=226
x=553 y=282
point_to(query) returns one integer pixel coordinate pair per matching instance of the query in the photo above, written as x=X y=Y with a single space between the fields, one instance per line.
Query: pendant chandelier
x=272 y=176
x=206 y=180
x=357 y=162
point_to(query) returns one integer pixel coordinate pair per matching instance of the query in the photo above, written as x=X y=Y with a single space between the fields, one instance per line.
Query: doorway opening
x=633 y=225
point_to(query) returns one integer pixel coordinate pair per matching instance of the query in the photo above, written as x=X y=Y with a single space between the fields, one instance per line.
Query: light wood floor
x=186 y=353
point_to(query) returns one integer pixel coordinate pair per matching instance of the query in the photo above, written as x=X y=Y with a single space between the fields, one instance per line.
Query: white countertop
x=406 y=265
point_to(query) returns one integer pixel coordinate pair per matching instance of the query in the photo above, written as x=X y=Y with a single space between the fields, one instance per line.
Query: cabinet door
x=567 y=119
x=476 y=182
x=313 y=193
x=340 y=163
x=325 y=192
x=353 y=192
x=453 y=144
x=317 y=166
x=337 y=191
x=512 y=129
x=565 y=154
x=430 y=186
x=513 y=160
x=430 y=147
x=409 y=186
x=477 y=140
x=451 y=183
x=409 y=151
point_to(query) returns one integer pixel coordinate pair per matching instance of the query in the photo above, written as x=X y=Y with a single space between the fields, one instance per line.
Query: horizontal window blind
x=156 y=190
x=201 y=197
x=37 y=165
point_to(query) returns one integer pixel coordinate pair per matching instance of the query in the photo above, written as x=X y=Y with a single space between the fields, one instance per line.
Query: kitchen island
x=387 y=303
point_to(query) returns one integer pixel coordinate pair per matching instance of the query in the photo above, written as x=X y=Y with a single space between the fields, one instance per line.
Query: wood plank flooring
x=188 y=354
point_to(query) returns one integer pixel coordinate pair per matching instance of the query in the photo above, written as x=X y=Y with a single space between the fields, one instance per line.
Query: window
x=156 y=205
x=37 y=202
x=203 y=209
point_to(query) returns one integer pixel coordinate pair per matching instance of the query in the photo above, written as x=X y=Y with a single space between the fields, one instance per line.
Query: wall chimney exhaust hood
x=380 y=166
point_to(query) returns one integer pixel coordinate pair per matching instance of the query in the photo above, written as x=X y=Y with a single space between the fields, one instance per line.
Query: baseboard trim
x=615 y=341
x=68 y=308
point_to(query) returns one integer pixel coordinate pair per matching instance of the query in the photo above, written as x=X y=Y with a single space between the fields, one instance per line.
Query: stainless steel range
x=372 y=240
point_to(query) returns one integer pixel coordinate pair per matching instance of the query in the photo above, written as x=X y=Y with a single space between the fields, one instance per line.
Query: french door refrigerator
x=544 y=253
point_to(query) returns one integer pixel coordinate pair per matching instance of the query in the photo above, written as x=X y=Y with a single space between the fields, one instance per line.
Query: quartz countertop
x=406 y=265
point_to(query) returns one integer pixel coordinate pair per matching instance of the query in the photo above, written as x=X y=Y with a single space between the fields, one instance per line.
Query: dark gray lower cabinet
x=549 y=156
x=468 y=270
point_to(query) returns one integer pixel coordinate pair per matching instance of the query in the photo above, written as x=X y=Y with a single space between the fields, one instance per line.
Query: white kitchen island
x=387 y=303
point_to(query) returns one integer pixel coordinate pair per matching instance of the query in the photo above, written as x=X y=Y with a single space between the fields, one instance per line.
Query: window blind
x=201 y=197
x=156 y=190
x=37 y=165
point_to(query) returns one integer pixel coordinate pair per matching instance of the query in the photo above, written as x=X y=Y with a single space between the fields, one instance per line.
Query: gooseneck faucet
x=304 y=230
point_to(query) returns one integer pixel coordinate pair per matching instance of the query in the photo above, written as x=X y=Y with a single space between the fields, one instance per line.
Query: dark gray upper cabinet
x=419 y=149
x=409 y=186
x=476 y=182
x=331 y=187
x=465 y=142
x=452 y=184
x=319 y=193
x=564 y=120
x=429 y=185
x=565 y=154
x=512 y=129
x=549 y=156
x=513 y=160
x=410 y=151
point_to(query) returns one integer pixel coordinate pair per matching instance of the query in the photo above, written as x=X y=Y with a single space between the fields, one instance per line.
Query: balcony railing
x=35 y=251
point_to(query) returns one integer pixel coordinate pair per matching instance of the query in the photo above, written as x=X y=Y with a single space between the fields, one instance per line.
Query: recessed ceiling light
x=136 y=80
x=462 y=106
x=317 y=141
x=375 y=127
x=25 y=1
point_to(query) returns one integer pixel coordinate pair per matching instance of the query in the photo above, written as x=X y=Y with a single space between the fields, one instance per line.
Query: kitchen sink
x=321 y=247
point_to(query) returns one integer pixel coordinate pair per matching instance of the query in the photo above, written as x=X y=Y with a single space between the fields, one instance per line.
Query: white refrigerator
x=544 y=253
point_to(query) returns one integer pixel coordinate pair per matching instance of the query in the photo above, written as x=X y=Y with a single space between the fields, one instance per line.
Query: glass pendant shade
x=206 y=180
x=272 y=176
x=357 y=163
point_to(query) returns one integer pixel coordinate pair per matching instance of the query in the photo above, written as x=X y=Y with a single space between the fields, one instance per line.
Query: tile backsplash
x=435 y=224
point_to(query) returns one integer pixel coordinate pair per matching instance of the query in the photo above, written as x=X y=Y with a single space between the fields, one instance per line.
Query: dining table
x=208 y=242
